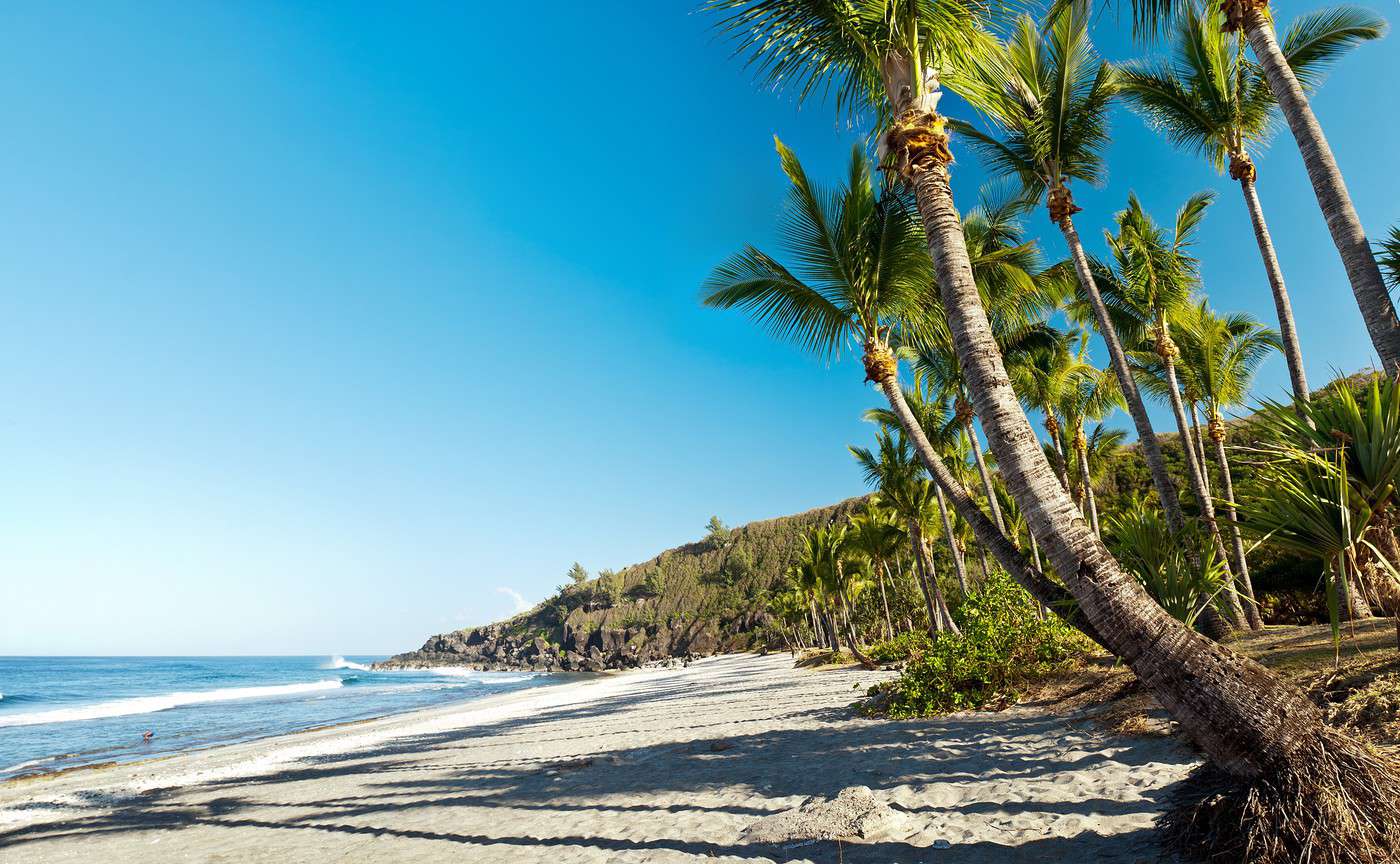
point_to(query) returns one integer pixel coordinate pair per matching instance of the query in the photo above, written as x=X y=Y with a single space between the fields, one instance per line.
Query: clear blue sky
x=323 y=323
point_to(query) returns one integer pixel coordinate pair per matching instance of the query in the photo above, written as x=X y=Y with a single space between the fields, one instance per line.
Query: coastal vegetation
x=968 y=315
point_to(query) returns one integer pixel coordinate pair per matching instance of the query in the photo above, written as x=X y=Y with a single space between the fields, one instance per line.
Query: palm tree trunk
x=1251 y=605
x=959 y=565
x=1199 y=442
x=833 y=636
x=1061 y=467
x=986 y=477
x=883 y=574
x=1147 y=439
x=860 y=656
x=916 y=541
x=1345 y=226
x=1287 y=329
x=1089 y=501
x=1247 y=719
x=949 y=625
x=1194 y=474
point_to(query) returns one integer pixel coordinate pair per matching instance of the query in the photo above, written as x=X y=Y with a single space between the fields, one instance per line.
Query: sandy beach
x=666 y=765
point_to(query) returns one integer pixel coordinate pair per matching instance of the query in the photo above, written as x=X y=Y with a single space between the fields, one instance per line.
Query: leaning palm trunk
x=1216 y=427
x=1247 y=719
x=1377 y=310
x=949 y=625
x=959 y=565
x=1287 y=329
x=1147 y=439
x=1081 y=447
x=1195 y=471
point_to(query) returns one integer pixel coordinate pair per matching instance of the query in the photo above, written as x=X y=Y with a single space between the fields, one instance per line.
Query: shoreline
x=274 y=744
x=649 y=765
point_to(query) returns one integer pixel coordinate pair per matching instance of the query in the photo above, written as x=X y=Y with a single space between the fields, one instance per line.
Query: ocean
x=62 y=712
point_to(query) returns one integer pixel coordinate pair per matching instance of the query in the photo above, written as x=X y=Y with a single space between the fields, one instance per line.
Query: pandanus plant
x=1185 y=585
x=1367 y=431
x=1301 y=778
x=1304 y=501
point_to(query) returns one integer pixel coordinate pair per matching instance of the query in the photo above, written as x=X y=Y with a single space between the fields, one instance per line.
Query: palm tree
x=1210 y=100
x=866 y=275
x=875 y=534
x=1251 y=723
x=1042 y=382
x=1156 y=279
x=1017 y=304
x=1222 y=354
x=932 y=419
x=1094 y=395
x=1289 y=80
x=894 y=471
x=828 y=572
x=1048 y=93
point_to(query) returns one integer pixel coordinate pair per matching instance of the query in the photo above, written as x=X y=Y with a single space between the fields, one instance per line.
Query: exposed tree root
x=1337 y=801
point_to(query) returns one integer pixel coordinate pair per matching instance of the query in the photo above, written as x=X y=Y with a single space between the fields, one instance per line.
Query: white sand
x=654 y=766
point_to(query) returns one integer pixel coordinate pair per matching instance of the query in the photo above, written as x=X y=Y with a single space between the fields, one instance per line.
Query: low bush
x=1004 y=645
x=901 y=647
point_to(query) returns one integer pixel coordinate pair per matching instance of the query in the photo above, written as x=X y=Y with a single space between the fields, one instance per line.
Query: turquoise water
x=61 y=712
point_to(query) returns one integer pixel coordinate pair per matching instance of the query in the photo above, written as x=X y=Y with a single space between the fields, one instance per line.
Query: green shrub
x=1004 y=644
x=901 y=647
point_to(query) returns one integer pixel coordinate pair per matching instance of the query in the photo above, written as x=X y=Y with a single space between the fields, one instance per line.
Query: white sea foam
x=451 y=671
x=338 y=662
x=475 y=675
x=162 y=702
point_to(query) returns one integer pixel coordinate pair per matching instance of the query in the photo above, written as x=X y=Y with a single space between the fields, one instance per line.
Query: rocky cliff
x=694 y=600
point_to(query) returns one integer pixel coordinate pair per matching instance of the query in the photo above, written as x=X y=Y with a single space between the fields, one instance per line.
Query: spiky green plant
x=1185 y=585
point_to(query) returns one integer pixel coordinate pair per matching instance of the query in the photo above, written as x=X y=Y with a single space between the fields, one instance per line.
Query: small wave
x=451 y=671
x=163 y=702
x=338 y=662
x=509 y=679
